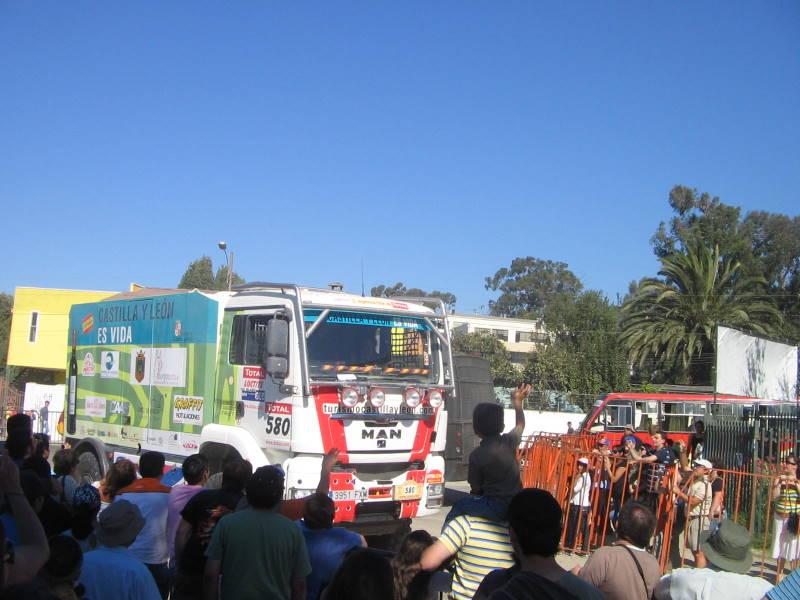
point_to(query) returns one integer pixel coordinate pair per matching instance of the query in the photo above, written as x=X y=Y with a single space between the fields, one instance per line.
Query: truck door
x=247 y=395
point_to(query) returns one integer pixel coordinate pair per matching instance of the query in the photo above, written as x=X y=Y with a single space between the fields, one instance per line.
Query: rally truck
x=275 y=374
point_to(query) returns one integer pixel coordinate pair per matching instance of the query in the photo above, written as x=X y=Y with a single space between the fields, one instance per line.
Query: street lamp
x=228 y=262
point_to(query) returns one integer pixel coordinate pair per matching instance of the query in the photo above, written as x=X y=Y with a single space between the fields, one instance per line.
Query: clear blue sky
x=435 y=141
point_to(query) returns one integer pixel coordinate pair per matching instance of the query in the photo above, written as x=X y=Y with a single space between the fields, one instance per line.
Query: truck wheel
x=88 y=470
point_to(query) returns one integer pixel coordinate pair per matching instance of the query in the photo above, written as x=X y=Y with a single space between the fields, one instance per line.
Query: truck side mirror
x=277 y=351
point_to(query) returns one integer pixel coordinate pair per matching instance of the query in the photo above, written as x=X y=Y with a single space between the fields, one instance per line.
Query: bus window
x=617 y=416
x=679 y=417
x=645 y=414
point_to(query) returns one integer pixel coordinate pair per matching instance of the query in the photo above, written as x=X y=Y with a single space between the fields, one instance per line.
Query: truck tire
x=88 y=470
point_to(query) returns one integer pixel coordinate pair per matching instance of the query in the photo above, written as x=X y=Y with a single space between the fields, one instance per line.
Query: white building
x=519 y=336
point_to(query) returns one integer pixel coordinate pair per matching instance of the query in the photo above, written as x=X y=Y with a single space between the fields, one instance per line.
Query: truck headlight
x=377 y=397
x=435 y=398
x=349 y=397
x=412 y=397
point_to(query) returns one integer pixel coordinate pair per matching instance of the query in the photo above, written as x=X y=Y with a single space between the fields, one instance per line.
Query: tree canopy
x=504 y=373
x=527 y=286
x=399 y=289
x=766 y=245
x=670 y=320
x=584 y=355
x=6 y=304
x=200 y=275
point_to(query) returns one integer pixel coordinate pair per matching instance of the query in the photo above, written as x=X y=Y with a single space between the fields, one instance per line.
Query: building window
x=500 y=334
x=34 y=326
x=525 y=336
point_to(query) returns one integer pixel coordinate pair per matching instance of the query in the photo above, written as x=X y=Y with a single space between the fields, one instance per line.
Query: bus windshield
x=367 y=346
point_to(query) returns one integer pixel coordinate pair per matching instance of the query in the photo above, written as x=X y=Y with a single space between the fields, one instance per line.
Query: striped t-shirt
x=480 y=546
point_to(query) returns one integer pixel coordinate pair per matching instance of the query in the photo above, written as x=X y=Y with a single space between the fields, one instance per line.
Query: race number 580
x=278 y=425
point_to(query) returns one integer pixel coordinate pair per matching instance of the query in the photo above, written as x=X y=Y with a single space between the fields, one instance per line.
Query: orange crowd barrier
x=590 y=505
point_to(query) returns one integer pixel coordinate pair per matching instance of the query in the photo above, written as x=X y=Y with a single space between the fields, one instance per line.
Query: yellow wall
x=49 y=351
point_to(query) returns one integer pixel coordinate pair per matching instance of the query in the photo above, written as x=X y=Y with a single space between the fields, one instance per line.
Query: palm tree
x=671 y=320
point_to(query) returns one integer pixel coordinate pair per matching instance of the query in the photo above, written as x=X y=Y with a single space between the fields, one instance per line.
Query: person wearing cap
x=258 y=552
x=579 y=506
x=111 y=571
x=698 y=505
x=85 y=507
x=729 y=559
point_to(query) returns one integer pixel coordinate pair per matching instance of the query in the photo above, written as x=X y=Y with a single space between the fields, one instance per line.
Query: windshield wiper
x=320 y=319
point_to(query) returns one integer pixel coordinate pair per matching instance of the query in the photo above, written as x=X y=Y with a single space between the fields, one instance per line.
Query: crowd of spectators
x=234 y=536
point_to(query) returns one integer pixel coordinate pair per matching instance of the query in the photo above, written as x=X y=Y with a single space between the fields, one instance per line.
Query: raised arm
x=518 y=398
x=328 y=462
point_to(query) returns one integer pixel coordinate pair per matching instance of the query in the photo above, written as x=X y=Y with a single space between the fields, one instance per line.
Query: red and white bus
x=674 y=414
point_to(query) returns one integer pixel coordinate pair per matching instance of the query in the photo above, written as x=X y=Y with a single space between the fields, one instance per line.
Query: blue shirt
x=326 y=550
x=115 y=573
x=788 y=589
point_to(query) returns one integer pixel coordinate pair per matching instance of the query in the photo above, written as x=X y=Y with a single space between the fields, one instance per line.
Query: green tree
x=6 y=304
x=527 y=286
x=584 y=355
x=489 y=347
x=765 y=244
x=221 y=279
x=670 y=320
x=200 y=275
x=399 y=289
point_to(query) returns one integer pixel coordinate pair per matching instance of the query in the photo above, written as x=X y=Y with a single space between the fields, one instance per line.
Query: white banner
x=163 y=367
x=755 y=367
x=36 y=394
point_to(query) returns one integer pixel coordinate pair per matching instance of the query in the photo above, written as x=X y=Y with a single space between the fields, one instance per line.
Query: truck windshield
x=371 y=346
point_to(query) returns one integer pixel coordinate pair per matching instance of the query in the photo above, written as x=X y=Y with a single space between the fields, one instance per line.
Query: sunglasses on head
x=789 y=462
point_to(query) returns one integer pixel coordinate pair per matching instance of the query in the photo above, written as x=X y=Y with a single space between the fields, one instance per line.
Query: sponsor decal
x=279 y=425
x=178 y=328
x=88 y=365
x=190 y=445
x=252 y=387
x=138 y=373
x=162 y=367
x=330 y=409
x=434 y=477
x=188 y=410
x=87 y=323
x=155 y=439
x=109 y=364
x=119 y=407
x=95 y=407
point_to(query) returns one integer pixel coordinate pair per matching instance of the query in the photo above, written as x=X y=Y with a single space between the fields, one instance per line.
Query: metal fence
x=550 y=462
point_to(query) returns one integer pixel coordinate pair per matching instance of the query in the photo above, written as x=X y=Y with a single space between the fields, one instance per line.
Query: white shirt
x=582 y=490
x=708 y=584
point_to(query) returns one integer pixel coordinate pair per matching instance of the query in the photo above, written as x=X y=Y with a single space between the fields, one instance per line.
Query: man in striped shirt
x=478 y=545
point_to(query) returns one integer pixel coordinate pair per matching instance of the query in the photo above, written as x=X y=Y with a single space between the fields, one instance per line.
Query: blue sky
x=433 y=141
